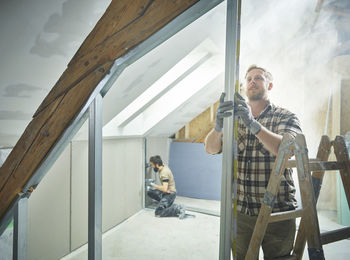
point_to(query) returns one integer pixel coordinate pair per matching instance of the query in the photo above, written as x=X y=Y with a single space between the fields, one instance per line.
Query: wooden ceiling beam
x=125 y=24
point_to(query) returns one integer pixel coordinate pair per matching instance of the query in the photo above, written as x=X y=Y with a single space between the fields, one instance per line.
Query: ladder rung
x=280 y=216
x=335 y=235
x=319 y=166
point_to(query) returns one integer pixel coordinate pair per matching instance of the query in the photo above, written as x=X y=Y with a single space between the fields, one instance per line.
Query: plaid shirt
x=255 y=163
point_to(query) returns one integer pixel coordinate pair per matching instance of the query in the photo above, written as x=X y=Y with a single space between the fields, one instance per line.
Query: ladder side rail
x=310 y=219
x=342 y=155
x=269 y=198
x=323 y=155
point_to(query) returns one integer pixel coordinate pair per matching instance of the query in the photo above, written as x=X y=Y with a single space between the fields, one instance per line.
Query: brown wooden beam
x=341 y=152
x=132 y=21
x=335 y=235
x=125 y=24
x=279 y=216
x=319 y=166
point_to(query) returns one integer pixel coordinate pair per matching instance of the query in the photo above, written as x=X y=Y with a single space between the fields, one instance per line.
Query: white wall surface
x=49 y=213
x=122 y=185
x=58 y=216
x=158 y=146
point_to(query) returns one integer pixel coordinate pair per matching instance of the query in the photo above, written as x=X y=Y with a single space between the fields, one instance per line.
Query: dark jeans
x=166 y=206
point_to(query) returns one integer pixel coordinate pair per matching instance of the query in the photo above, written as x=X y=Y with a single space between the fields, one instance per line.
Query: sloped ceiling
x=42 y=36
x=39 y=37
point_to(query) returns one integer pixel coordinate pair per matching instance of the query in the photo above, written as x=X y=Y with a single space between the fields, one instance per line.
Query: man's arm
x=289 y=124
x=213 y=142
x=163 y=188
x=270 y=140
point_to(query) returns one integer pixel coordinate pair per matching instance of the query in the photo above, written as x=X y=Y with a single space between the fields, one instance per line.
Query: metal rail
x=181 y=21
x=229 y=185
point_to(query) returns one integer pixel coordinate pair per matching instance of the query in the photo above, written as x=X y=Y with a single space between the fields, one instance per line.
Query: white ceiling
x=39 y=37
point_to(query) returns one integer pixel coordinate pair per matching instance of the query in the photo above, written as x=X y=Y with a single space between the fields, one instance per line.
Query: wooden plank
x=322 y=154
x=265 y=210
x=319 y=166
x=335 y=235
x=183 y=140
x=280 y=216
x=135 y=21
x=187 y=131
x=204 y=123
x=139 y=24
x=310 y=219
x=182 y=133
x=205 y=132
x=324 y=150
x=200 y=124
x=117 y=16
x=24 y=143
x=46 y=135
x=341 y=153
x=198 y=128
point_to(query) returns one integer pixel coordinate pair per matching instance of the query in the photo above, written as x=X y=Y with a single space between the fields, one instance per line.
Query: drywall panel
x=197 y=174
x=49 y=212
x=123 y=168
x=122 y=185
x=158 y=146
x=155 y=146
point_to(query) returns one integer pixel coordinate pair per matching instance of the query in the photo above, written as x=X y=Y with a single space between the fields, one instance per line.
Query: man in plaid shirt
x=261 y=126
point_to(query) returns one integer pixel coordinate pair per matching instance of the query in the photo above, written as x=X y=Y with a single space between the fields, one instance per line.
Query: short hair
x=267 y=74
x=156 y=160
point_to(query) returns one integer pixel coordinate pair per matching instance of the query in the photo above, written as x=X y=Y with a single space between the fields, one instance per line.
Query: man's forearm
x=213 y=142
x=270 y=140
x=161 y=188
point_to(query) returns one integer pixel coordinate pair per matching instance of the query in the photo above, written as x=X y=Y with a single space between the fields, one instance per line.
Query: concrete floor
x=211 y=207
x=144 y=236
x=339 y=250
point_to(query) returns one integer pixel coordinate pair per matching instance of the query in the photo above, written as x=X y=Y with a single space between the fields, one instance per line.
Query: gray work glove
x=150 y=182
x=242 y=109
x=150 y=188
x=222 y=112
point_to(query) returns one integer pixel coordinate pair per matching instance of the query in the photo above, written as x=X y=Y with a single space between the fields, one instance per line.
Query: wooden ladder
x=309 y=190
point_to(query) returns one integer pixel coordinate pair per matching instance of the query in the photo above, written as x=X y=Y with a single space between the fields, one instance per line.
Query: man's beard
x=256 y=96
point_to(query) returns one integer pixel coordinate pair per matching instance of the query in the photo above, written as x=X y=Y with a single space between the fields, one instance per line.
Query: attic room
x=158 y=97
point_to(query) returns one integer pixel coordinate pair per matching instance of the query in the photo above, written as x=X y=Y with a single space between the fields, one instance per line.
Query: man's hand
x=150 y=186
x=222 y=112
x=150 y=183
x=243 y=110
